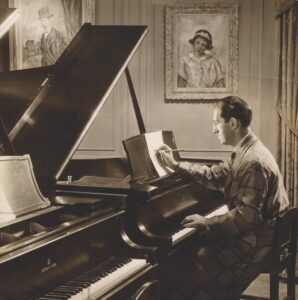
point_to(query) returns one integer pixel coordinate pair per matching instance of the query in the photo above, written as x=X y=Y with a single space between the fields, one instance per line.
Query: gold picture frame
x=214 y=73
x=31 y=44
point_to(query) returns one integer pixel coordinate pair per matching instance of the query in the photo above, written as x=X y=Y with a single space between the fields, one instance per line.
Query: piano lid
x=7 y=18
x=72 y=95
x=18 y=89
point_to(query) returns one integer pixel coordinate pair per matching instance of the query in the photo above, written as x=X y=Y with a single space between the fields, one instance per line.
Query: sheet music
x=20 y=193
x=154 y=141
x=218 y=212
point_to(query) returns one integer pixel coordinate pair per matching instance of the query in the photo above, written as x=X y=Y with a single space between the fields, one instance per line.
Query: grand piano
x=104 y=215
x=64 y=245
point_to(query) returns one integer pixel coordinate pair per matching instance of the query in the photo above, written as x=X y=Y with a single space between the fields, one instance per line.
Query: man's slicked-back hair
x=235 y=107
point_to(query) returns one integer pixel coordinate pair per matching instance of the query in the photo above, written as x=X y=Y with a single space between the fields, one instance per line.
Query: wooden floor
x=260 y=288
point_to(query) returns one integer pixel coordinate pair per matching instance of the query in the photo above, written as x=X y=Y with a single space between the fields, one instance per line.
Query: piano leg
x=148 y=291
x=176 y=273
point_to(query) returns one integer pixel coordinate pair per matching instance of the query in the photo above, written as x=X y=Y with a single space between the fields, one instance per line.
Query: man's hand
x=195 y=221
x=166 y=156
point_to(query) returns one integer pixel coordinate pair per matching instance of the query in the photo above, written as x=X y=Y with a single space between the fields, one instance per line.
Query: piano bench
x=283 y=256
x=148 y=291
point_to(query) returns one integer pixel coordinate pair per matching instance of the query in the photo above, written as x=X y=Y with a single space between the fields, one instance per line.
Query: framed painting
x=44 y=29
x=201 y=51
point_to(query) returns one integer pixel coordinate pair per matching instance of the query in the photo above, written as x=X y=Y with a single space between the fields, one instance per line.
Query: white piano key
x=114 y=278
x=218 y=211
x=79 y=296
x=182 y=234
x=185 y=232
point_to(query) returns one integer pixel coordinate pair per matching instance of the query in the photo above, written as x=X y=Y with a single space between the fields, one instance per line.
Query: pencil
x=178 y=150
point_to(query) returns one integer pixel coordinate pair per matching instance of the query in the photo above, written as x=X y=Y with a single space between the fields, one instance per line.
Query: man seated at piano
x=239 y=241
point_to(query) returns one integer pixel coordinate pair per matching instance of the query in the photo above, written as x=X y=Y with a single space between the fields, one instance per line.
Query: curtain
x=282 y=5
x=287 y=101
x=73 y=16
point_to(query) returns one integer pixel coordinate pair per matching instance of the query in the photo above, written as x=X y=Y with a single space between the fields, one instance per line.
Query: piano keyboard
x=97 y=281
x=182 y=234
x=218 y=211
x=185 y=232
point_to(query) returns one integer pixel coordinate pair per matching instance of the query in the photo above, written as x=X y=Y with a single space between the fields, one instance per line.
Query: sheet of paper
x=218 y=212
x=154 y=141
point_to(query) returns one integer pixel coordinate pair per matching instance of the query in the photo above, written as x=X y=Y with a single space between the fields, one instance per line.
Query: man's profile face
x=221 y=128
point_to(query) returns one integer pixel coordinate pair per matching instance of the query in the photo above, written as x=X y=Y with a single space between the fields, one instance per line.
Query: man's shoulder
x=259 y=158
x=250 y=162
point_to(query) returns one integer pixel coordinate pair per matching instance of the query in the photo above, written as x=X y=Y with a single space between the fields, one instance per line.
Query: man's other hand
x=195 y=221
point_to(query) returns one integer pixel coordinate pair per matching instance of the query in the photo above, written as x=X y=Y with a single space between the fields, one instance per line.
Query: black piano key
x=71 y=291
x=54 y=297
x=57 y=296
x=62 y=292
x=79 y=284
x=82 y=279
x=47 y=298
x=74 y=286
x=88 y=280
x=57 y=293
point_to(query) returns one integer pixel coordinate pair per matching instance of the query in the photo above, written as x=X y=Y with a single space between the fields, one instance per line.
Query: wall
x=191 y=122
x=4 y=45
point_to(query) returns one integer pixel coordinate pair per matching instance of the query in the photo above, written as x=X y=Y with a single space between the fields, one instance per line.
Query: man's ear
x=234 y=123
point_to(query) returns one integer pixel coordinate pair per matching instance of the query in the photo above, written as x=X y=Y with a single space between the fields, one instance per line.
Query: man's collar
x=242 y=142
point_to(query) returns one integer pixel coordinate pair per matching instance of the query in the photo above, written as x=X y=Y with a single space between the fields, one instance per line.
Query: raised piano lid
x=72 y=95
x=7 y=18
x=18 y=89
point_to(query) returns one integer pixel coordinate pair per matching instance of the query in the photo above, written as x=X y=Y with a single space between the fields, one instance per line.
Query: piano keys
x=98 y=280
x=155 y=208
x=182 y=234
x=185 y=232
x=154 y=214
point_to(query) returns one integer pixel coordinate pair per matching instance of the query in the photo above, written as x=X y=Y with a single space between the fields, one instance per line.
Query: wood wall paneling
x=191 y=122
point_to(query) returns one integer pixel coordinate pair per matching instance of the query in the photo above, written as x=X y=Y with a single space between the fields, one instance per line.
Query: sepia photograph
x=148 y=149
